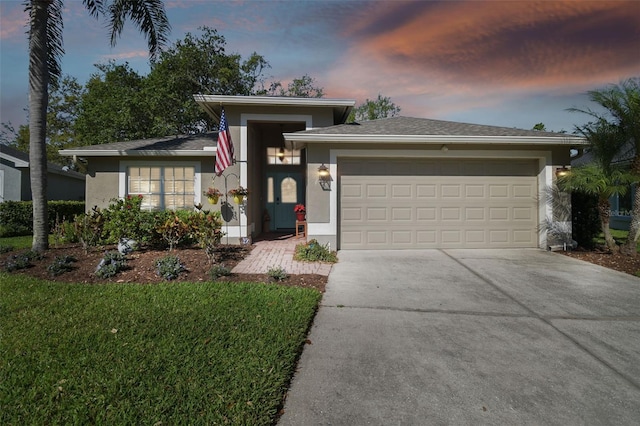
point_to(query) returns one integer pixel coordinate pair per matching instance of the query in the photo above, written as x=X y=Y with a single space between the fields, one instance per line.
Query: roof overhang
x=137 y=153
x=17 y=162
x=299 y=139
x=213 y=104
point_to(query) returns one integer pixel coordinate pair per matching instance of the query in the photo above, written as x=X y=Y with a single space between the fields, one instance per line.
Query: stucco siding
x=12 y=183
x=102 y=182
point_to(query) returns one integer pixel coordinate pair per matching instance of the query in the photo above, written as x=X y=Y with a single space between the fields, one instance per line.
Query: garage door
x=437 y=204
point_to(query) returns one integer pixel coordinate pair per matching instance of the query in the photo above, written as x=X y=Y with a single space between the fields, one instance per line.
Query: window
x=624 y=203
x=282 y=156
x=162 y=187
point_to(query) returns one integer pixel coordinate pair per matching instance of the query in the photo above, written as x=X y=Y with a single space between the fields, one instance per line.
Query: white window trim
x=122 y=174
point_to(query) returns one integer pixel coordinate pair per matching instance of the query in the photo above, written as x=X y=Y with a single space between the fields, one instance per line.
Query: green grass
x=618 y=235
x=22 y=242
x=173 y=353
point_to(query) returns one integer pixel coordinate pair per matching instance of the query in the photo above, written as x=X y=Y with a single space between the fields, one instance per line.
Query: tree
x=382 y=107
x=303 y=87
x=113 y=107
x=622 y=105
x=601 y=177
x=196 y=64
x=540 y=127
x=45 y=52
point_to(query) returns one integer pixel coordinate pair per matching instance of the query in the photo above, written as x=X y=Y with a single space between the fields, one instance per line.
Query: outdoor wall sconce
x=324 y=177
x=562 y=171
x=281 y=154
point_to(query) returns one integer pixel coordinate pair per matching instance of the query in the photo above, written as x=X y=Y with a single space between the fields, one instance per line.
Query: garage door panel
x=431 y=211
x=425 y=191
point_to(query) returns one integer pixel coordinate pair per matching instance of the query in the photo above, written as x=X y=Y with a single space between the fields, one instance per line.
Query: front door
x=284 y=191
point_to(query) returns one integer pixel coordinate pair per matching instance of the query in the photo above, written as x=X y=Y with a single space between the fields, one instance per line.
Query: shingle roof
x=195 y=142
x=51 y=167
x=409 y=126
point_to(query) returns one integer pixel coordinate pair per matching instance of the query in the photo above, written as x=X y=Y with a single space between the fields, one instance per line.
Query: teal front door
x=284 y=191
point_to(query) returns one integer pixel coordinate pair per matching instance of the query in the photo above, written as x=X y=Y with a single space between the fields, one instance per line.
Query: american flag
x=224 y=155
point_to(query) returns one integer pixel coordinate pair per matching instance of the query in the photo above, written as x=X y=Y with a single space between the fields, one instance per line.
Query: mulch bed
x=141 y=267
x=619 y=262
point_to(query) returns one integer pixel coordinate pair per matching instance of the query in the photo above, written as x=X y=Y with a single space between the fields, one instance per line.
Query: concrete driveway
x=470 y=337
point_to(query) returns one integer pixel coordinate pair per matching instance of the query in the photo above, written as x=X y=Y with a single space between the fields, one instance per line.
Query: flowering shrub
x=299 y=208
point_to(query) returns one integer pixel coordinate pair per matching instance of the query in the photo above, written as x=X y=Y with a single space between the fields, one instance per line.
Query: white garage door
x=437 y=204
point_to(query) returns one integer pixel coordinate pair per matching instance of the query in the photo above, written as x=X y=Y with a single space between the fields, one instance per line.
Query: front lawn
x=171 y=353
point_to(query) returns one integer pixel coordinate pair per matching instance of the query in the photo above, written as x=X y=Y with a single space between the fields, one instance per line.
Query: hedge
x=16 y=217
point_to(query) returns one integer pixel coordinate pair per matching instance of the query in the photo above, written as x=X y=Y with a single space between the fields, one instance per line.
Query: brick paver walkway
x=278 y=252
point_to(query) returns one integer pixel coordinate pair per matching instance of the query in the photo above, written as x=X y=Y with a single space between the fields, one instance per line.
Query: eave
x=137 y=153
x=213 y=104
x=297 y=138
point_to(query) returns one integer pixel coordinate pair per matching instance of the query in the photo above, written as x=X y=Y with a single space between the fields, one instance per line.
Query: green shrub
x=123 y=219
x=206 y=229
x=22 y=260
x=61 y=264
x=112 y=263
x=218 y=271
x=64 y=211
x=585 y=220
x=277 y=273
x=5 y=249
x=173 y=230
x=169 y=267
x=315 y=252
x=88 y=227
x=16 y=217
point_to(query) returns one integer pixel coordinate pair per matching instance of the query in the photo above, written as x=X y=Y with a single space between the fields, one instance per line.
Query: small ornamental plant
x=212 y=193
x=300 y=208
x=239 y=191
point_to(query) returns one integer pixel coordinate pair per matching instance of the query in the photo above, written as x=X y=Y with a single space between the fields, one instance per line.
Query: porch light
x=562 y=171
x=323 y=173
x=281 y=154
x=324 y=177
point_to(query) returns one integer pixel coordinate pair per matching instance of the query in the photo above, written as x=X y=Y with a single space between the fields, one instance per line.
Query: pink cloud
x=13 y=21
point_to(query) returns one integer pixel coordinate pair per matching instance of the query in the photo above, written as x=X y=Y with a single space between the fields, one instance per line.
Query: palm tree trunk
x=38 y=99
x=604 y=210
x=629 y=247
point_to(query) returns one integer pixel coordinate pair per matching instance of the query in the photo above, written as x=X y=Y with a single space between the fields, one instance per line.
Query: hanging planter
x=213 y=195
x=301 y=212
x=238 y=194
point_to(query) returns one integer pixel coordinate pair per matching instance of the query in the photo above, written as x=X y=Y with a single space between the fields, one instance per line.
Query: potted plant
x=300 y=212
x=238 y=194
x=213 y=194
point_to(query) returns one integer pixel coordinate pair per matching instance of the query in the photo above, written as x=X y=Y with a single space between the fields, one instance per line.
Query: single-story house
x=15 y=178
x=392 y=183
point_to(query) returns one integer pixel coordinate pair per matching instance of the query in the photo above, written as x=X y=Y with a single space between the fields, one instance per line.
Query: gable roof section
x=213 y=104
x=423 y=130
x=202 y=144
x=21 y=160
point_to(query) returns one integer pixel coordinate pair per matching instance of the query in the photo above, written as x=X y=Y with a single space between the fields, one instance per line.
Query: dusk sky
x=506 y=63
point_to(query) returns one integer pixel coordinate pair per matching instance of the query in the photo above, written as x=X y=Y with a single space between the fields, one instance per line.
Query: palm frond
x=148 y=15
x=54 y=42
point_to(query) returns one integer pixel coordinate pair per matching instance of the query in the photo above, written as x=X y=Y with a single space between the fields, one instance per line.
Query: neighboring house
x=393 y=183
x=621 y=205
x=15 y=178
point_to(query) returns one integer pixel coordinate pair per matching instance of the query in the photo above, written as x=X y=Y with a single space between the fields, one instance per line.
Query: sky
x=505 y=63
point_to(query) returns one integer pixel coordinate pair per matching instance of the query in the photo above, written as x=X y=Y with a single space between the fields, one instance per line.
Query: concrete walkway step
x=276 y=252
